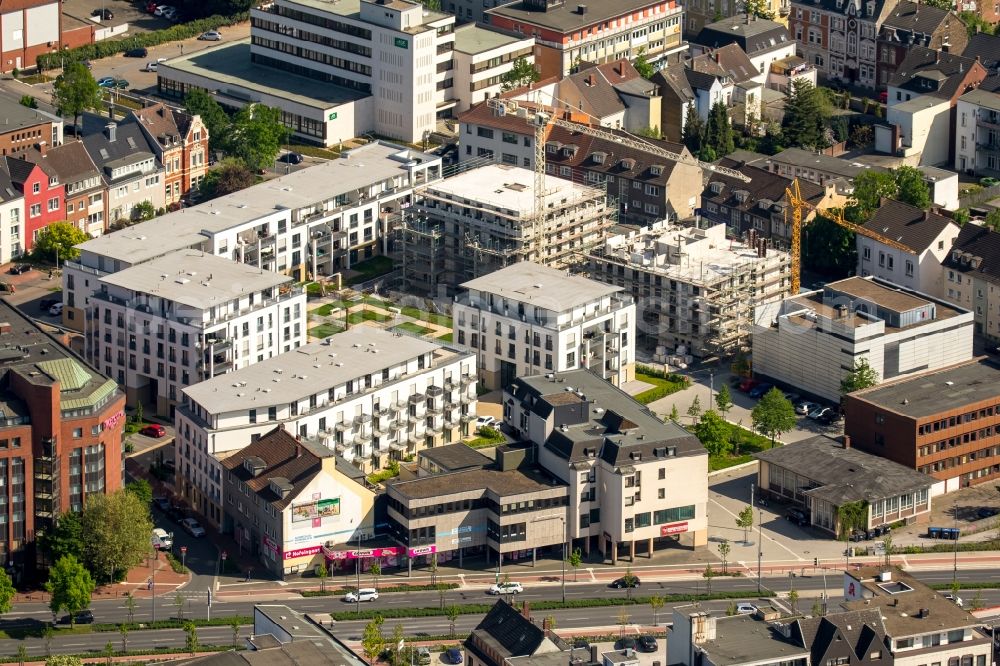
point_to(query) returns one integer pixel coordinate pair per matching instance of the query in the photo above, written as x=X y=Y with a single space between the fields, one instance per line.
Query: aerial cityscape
x=500 y=332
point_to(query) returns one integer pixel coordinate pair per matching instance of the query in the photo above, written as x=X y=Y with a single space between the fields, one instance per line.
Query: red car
x=883 y=97
x=153 y=430
x=748 y=384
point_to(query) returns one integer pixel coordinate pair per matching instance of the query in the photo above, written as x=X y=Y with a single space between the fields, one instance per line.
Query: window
x=909 y=268
x=36 y=188
x=36 y=210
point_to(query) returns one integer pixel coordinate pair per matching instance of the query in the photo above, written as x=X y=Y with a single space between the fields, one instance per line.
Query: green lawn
x=444 y=338
x=325 y=330
x=366 y=315
x=745 y=444
x=486 y=437
x=328 y=309
x=313 y=151
x=662 y=387
x=410 y=327
x=424 y=315
x=370 y=269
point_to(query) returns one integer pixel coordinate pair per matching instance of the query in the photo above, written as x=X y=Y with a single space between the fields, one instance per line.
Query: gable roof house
x=676 y=96
x=912 y=24
x=505 y=633
x=763 y=41
x=43 y=195
x=180 y=142
x=922 y=98
x=85 y=190
x=927 y=235
x=726 y=75
x=128 y=165
x=971 y=277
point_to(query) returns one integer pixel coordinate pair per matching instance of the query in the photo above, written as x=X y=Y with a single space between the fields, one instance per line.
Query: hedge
x=223 y=621
x=14 y=659
x=110 y=47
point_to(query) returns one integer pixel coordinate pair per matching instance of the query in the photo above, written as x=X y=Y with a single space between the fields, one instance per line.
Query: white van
x=364 y=594
x=161 y=539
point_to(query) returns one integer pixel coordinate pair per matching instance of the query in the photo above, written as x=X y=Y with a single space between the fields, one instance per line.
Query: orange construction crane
x=799 y=205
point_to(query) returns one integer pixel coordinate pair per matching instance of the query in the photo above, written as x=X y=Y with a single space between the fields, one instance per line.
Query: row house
x=839 y=37
x=180 y=142
x=85 y=191
x=43 y=195
x=11 y=219
x=912 y=24
x=24 y=127
x=764 y=42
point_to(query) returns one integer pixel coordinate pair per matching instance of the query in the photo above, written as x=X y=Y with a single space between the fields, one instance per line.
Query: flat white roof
x=511 y=188
x=310 y=369
x=195 y=278
x=362 y=167
x=527 y=282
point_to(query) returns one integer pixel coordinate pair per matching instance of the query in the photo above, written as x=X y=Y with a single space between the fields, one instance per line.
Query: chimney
x=716 y=55
x=42 y=147
x=111 y=131
x=620 y=68
x=111 y=111
x=581 y=9
x=298 y=449
x=937 y=57
x=847 y=441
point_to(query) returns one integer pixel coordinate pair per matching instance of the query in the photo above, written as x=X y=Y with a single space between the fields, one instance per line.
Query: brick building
x=28 y=28
x=85 y=191
x=61 y=432
x=24 y=127
x=44 y=195
x=944 y=423
x=180 y=142
x=912 y=24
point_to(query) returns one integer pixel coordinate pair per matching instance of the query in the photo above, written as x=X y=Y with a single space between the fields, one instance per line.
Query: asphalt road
x=810 y=587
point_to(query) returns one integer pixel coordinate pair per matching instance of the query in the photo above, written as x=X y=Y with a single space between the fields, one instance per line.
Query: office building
x=187 y=316
x=812 y=340
x=369 y=395
x=485 y=219
x=313 y=222
x=482 y=57
x=60 y=436
x=697 y=289
x=528 y=319
x=944 y=423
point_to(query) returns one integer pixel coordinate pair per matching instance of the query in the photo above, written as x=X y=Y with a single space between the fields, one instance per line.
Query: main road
x=810 y=588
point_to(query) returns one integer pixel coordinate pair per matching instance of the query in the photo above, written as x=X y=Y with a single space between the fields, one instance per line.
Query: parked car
x=151 y=66
x=56 y=309
x=989 y=181
x=106 y=82
x=139 y=52
x=986 y=512
x=122 y=84
x=46 y=303
x=958 y=600
x=193 y=527
x=758 y=391
x=170 y=14
x=883 y=97
x=423 y=655
x=631 y=581
x=626 y=643
x=580 y=643
x=818 y=412
x=745 y=608
x=211 y=36
x=364 y=594
x=792 y=397
x=830 y=417
x=647 y=644
x=162 y=539
x=151 y=7
x=805 y=407
x=454 y=656
x=797 y=516
x=506 y=588
x=485 y=422
x=153 y=430
x=177 y=513
x=18 y=269
x=162 y=503
x=292 y=158
x=747 y=384
x=86 y=616
x=104 y=14
x=158 y=11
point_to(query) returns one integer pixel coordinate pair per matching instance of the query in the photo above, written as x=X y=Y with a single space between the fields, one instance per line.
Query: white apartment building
x=927 y=237
x=482 y=57
x=812 y=340
x=633 y=479
x=696 y=289
x=977 y=133
x=314 y=222
x=528 y=319
x=970 y=277
x=187 y=316
x=370 y=395
x=11 y=217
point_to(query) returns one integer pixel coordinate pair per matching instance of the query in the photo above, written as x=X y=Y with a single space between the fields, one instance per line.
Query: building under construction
x=484 y=219
x=695 y=289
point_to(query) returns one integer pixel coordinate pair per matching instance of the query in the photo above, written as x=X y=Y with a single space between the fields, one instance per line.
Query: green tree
x=773 y=414
x=946 y=5
x=861 y=377
x=642 y=65
x=452 y=613
x=911 y=187
x=731 y=609
x=817 y=609
x=829 y=248
x=708 y=574
x=130 y=605
x=694 y=409
x=47 y=634
x=118 y=528
x=29 y=101
x=322 y=573
x=961 y=216
x=719 y=131
x=744 y=521
x=57 y=241
x=758 y=8
x=228 y=176
x=724 y=549
x=200 y=103
x=75 y=91
x=993 y=219
x=143 y=211
x=190 y=637
x=977 y=602
x=108 y=652
x=649 y=132
x=793 y=598
x=7 y=592
x=870 y=187
x=142 y=491
x=629 y=580
x=694 y=130
x=724 y=399
x=63 y=660
x=806 y=115
x=975 y=23
x=234 y=625
x=123 y=630
x=256 y=135
x=656 y=603
x=375 y=571
x=674 y=414
x=179 y=603
x=521 y=73
x=69 y=587
x=22 y=654
x=575 y=559
x=851 y=516
x=372 y=640
x=713 y=433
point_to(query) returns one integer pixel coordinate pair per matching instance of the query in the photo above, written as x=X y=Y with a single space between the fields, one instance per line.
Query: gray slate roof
x=980 y=242
x=130 y=144
x=922 y=64
x=753 y=36
x=913 y=227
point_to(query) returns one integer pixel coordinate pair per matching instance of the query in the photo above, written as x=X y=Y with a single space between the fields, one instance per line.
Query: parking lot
x=123 y=12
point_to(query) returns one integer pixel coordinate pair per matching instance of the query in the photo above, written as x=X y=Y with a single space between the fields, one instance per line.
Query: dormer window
x=716 y=187
x=53 y=181
x=627 y=164
x=656 y=169
x=598 y=158
x=552 y=147
x=569 y=151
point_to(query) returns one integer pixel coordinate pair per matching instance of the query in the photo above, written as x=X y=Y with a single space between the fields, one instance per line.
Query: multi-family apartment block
x=180 y=142
x=697 y=289
x=971 y=279
x=482 y=57
x=314 y=222
x=485 y=219
x=24 y=127
x=165 y=324
x=369 y=395
x=85 y=190
x=43 y=195
x=528 y=319
x=599 y=31
x=977 y=133
x=11 y=219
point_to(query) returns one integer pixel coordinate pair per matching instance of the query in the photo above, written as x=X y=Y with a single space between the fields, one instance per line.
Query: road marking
x=592 y=576
x=767 y=535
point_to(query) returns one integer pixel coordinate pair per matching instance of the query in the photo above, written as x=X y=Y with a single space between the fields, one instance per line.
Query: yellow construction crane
x=798 y=205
